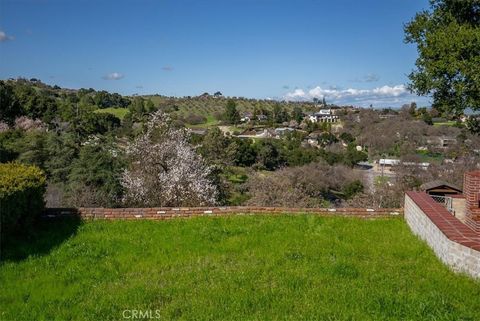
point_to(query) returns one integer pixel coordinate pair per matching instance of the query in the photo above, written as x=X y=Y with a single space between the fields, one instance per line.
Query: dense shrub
x=21 y=196
x=194 y=119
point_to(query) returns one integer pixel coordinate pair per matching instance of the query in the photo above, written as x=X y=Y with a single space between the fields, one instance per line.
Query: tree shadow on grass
x=44 y=236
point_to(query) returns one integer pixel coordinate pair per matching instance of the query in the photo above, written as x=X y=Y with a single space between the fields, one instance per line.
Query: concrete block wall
x=454 y=243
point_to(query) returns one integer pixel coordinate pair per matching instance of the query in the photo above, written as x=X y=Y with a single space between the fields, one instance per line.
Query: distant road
x=369 y=175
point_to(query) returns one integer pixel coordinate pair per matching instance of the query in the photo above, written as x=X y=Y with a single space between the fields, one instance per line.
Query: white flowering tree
x=165 y=170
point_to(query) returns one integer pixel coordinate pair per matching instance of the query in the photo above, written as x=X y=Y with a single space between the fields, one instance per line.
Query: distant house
x=388 y=163
x=442 y=141
x=283 y=130
x=440 y=188
x=312 y=139
x=246 y=117
x=318 y=139
x=387 y=116
x=447 y=141
x=323 y=116
x=268 y=133
x=261 y=117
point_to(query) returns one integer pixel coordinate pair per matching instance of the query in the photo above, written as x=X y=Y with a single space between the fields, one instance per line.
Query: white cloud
x=297 y=94
x=4 y=36
x=391 y=91
x=384 y=95
x=113 y=76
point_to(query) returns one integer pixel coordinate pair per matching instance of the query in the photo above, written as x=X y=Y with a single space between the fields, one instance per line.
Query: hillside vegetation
x=209 y=105
x=84 y=141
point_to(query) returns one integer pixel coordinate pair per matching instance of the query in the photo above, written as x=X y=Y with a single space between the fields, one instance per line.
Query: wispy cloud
x=167 y=68
x=371 y=78
x=5 y=37
x=385 y=95
x=368 y=78
x=113 y=76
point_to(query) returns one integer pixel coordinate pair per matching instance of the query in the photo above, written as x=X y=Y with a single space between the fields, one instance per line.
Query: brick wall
x=456 y=244
x=161 y=213
x=471 y=190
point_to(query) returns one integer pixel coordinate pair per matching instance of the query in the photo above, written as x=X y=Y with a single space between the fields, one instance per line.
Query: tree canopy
x=448 y=42
x=231 y=113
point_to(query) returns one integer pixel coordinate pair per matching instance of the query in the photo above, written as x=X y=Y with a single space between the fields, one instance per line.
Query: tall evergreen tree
x=232 y=115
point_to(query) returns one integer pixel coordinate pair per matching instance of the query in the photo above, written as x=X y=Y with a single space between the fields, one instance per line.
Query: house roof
x=439 y=183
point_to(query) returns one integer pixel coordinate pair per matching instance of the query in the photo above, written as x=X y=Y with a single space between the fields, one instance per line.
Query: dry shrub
x=312 y=185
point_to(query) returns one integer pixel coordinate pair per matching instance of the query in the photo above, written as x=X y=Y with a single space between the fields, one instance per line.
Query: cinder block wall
x=450 y=239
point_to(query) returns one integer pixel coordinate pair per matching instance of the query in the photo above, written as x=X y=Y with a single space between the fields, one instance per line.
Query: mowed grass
x=117 y=112
x=445 y=123
x=234 y=268
x=211 y=122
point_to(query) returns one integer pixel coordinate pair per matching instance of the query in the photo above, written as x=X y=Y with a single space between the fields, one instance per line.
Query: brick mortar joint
x=119 y=213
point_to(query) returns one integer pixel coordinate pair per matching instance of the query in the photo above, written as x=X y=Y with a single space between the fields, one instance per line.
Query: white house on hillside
x=323 y=116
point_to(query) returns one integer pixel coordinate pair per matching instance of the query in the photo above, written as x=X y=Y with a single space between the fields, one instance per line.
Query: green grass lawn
x=211 y=122
x=445 y=123
x=118 y=112
x=430 y=157
x=235 y=268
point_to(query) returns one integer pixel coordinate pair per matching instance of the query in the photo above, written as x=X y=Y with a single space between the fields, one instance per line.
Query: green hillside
x=210 y=106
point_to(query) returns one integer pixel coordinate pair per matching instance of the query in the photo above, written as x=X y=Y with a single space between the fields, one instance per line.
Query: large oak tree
x=448 y=42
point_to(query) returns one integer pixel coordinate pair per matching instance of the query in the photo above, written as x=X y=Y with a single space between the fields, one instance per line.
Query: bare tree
x=313 y=185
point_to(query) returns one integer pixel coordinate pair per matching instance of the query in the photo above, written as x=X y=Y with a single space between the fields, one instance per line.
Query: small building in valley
x=283 y=130
x=440 y=188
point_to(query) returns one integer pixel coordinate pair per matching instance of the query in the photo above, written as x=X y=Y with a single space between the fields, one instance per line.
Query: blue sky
x=350 y=51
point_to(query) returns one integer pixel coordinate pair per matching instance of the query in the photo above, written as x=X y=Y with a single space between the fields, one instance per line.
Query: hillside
x=213 y=106
x=39 y=99
x=81 y=138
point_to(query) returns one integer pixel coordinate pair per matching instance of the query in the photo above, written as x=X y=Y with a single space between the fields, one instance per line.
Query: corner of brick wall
x=471 y=190
x=453 y=242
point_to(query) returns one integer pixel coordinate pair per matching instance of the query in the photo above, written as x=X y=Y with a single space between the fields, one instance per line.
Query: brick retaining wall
x=162 y=213
x=456 y=244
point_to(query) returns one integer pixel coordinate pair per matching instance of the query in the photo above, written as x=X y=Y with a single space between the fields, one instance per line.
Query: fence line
x=162 y=213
